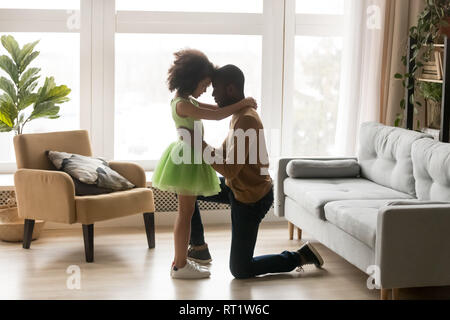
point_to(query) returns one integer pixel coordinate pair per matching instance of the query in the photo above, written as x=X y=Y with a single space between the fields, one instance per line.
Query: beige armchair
x=46 y=194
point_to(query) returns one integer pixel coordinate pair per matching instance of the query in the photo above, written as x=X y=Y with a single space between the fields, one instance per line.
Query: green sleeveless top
x=179 y=121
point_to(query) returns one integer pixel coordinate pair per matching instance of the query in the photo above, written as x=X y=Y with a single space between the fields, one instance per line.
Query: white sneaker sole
x=202 y=275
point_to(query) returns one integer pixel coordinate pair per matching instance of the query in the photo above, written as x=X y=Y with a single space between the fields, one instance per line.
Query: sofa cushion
x=348 y=168
x=385 y=156
x=431 y=163
x=356 y=217
x=314 y=194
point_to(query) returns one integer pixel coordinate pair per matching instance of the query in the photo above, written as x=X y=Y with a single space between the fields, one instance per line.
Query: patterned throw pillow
x=91 y=175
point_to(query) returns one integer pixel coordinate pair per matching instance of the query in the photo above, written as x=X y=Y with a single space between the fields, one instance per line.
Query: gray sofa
x=392 y=221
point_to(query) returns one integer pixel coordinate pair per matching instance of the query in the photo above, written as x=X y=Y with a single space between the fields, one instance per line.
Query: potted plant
x=17 y=95
x=432 y=93
x=433 y=23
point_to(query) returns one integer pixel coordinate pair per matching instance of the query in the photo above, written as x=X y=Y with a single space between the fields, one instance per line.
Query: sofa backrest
x=431 y=164
x=385 y=155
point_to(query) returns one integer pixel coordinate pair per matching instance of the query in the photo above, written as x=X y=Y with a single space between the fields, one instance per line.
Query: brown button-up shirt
x=245 y=159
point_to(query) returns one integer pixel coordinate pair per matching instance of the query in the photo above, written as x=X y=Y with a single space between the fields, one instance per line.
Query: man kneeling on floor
x=247 y=187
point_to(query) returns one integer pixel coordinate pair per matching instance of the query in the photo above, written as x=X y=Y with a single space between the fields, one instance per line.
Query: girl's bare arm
x=207 y=106
x=187 y=109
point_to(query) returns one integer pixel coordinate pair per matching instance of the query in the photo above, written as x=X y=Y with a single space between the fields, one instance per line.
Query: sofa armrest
x=281 y=175
x=131 y=171
x=45 y=195
x=413 y=245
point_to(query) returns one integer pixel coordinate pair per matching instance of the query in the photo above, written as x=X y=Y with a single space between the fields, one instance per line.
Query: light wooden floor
x=125 y=269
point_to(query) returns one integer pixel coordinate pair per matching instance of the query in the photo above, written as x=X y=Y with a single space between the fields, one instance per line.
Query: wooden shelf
x=444 y=132
x=430 y=80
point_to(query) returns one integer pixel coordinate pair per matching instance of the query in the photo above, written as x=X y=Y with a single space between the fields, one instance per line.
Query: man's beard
x=228 y=102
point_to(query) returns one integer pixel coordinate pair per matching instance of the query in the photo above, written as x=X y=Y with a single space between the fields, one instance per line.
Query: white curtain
x=360 y=72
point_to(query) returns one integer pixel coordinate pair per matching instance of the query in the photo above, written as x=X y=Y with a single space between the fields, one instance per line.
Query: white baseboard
x=209 y=217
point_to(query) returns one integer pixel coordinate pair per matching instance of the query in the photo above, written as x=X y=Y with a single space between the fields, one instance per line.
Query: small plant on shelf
x=432 y=23
x=19 y=90
x=432 y=93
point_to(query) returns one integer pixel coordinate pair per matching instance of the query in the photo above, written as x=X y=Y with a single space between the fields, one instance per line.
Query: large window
x=114 y=55
x=143 y=113
x=312 y=91
x=59 y=57
x=148 y=33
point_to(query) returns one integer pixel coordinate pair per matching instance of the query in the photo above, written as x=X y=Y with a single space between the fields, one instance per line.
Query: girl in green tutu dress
x=189 y=76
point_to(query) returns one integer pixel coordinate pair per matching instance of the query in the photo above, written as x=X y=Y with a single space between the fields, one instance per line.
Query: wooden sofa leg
x=28 y=228
x=291 y=230
x=384 y=294
x=299 y=234
x=88 y=235
x=395 y=294
x=149 y=221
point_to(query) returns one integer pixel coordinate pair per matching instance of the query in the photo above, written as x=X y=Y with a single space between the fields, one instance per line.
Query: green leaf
x=398 y=76
x=24 y=64
x=4 y=127
x=4 y=98
x=27 y=75
x=49 y=84
x=8 y=87
x=9 y=67
x=26 y=51
x=411 y=99
x=58 y=94
x=11 y=45
x=44 y=110
x=28 y=100
x=8 y=113
x=28 y=86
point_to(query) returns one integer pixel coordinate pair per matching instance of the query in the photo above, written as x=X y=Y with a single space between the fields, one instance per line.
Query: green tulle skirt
x=181 y=174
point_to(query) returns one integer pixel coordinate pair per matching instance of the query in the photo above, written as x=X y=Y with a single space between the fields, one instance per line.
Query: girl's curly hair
x=189 y=68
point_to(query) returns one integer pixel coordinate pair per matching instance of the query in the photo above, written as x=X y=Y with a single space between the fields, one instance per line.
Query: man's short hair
x=230 y=74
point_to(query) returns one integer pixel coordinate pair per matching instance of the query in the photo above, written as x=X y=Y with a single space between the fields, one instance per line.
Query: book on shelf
x=432 y=70
x=437 y=59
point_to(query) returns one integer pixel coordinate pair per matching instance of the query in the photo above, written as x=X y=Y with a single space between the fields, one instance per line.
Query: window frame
x=301 y=24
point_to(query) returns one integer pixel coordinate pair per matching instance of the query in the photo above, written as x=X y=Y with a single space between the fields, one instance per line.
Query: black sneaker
x=201 y=256
x=309 y=255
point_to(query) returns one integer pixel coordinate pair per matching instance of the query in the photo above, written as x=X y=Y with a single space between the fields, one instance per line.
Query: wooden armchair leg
x=88 y=235
x=149 y=221
x=27 y=233
x=291 y=230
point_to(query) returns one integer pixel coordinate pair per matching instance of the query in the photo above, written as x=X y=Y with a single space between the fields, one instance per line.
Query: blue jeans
x=245 y=220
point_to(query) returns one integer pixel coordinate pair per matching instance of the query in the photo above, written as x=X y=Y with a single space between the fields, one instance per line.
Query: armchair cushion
x=91 y=209
x=89 y=171
x=304 y=168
